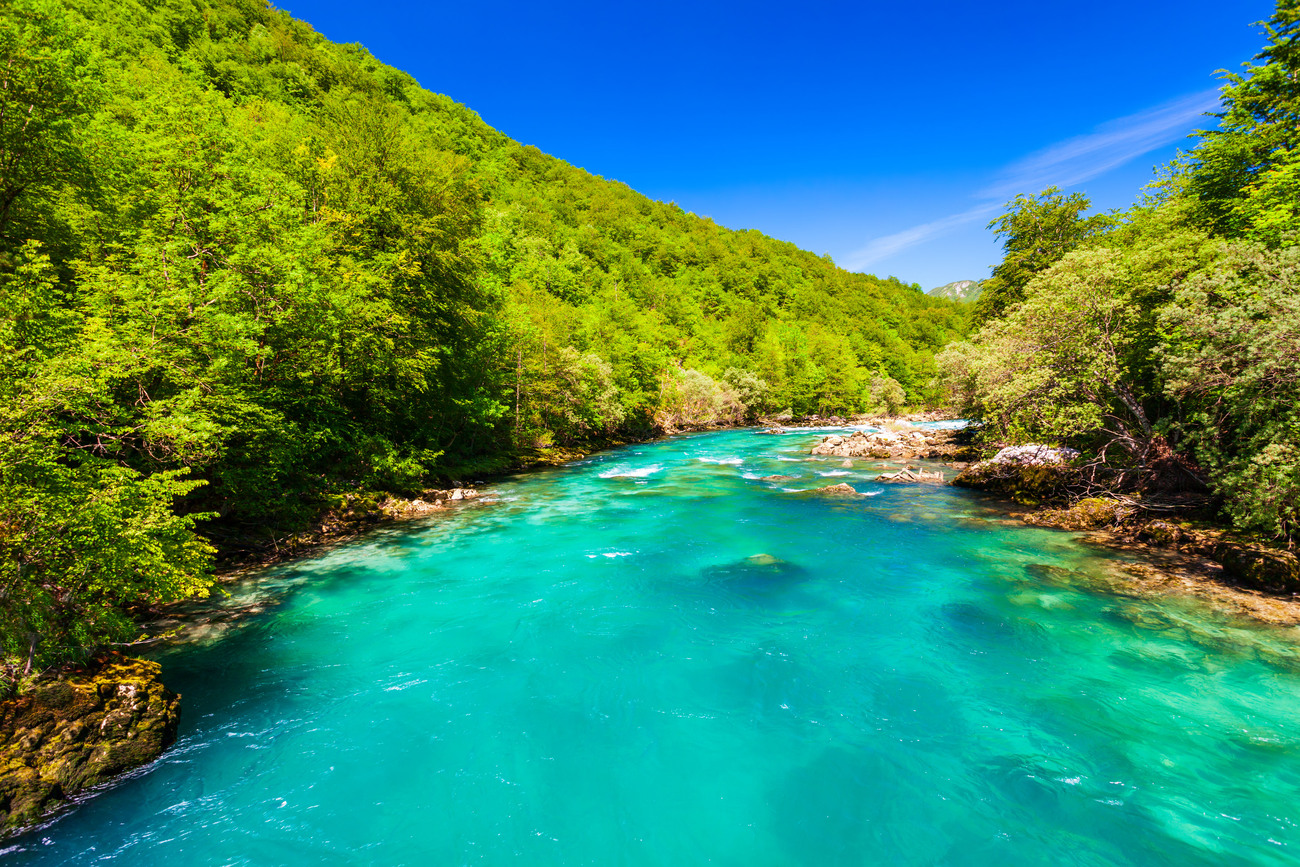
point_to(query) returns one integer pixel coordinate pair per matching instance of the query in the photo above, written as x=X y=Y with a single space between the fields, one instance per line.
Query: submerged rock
x=756 y=576
x=70 y=733
x=778 y=478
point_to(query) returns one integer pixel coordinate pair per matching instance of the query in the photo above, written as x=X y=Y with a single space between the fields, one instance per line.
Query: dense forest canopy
x=244 y=269
x=1164 y=341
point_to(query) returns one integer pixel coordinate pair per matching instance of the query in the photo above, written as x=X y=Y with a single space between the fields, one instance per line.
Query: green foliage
x=1076 y=358
x=1232 y=360
x=1169 y=355
x=1241 y=178
x=691 y=399
x=81 y=541
x=887 y=395
x=753 y=394
x=577 y=397
x=1269 y=207
x=1036 y=231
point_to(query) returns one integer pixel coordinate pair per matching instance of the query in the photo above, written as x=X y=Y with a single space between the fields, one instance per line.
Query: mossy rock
x=840 y=490
x=1163 y=533
x=1259 y=566
x=1029 y=485
x=71 y=732
x=1089 y=513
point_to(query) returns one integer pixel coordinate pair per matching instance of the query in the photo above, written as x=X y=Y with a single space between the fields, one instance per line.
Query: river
x=655 y=656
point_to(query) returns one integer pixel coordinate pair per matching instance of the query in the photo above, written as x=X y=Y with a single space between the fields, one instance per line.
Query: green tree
x=1231 y=358
x=1036 y=231
x=887 y=395
x=83 y=541
x=1257 y=135
x=1076 y=360
x=45 y=93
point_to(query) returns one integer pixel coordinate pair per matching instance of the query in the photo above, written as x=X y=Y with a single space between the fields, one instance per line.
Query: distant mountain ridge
x=958 y=290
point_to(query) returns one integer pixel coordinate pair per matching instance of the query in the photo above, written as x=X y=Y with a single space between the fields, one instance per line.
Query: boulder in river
x=1030 y=474
x=841 y=489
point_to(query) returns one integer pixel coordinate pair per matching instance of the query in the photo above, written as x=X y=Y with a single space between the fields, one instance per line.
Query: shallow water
x=655 y=657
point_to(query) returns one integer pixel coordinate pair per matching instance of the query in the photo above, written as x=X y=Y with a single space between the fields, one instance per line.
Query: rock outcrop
x=1030 y=474
x=430 y=501
x=67 y=734
x=1245 y=564
x=899 y=444
x=1258 y=566
x=959 y=290
x=1090 y=513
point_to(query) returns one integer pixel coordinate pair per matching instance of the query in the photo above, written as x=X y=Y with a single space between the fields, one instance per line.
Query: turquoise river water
x=654 y=656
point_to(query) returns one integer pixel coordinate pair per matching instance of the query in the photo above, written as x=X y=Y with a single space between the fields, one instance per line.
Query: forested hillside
x=1165 y=341
x=243 y=270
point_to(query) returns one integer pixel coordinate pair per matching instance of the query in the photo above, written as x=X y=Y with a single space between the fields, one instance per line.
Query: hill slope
x=277 y=168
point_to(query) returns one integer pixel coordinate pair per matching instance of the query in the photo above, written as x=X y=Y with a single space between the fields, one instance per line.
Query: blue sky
x=887 y=135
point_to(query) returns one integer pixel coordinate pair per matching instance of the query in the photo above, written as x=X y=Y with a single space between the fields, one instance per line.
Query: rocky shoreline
x=1185 y=555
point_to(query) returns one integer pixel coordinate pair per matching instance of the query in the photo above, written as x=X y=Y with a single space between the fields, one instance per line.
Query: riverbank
x=1188 y=553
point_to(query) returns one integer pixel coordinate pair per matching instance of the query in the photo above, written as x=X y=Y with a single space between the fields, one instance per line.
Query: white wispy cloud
x=1064 y=164
x=879 y=249
x=1113 y=144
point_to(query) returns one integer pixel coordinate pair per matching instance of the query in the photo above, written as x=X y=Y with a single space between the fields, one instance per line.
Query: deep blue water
x=655 y=657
